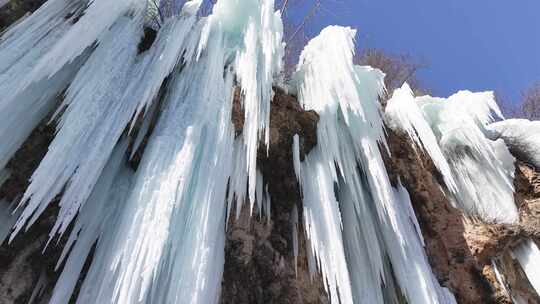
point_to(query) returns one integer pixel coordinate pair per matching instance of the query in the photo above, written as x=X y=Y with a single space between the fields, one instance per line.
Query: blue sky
x=468 y=44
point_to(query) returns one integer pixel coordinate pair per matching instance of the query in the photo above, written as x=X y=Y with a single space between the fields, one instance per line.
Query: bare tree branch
x=308 y=17
x=530 y=107
x=284 y=7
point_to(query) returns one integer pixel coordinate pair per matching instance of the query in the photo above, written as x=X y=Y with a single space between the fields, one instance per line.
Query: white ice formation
x=157 y=234
x=477 y=171
x=375 y=219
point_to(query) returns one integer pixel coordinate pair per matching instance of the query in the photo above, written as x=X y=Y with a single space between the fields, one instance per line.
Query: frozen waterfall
x=157 y=234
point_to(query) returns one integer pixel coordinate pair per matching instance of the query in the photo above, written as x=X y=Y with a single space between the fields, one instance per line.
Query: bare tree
x=509 y=108
x=530 y=106
x=398 y=69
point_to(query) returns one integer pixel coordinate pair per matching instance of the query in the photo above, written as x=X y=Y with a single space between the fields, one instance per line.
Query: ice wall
x=368 y=220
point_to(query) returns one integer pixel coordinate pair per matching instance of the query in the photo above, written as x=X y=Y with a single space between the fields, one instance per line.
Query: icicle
x=403 y=113
x=96 y=19
x=161 y=59
x=144 y=129
x=294 y=214
x=88 y=130
x=375 y=223
x=296 y=157
x=411 y=267
x=255 y=36
x=113 y=86
x=521 y=136
x=238 y=179
x=58 y=32
x=322 y=222
x=318 y=174
x=528 y=256
x=363 y=249
x=106 y=199
x=268 y=205
x=110 y=211
x=171 y=229
x=26 y=100
x=7 y=219
x=294 y=225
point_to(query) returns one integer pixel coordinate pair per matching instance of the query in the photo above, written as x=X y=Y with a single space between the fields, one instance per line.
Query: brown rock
x=259 y=260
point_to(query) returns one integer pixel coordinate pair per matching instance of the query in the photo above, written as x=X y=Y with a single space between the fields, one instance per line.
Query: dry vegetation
x=527 y=106
x=399 y=68
x=530 y=107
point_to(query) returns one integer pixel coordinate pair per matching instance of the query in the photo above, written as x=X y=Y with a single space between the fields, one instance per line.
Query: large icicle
x=172 y=227
x=375 y=223
x=254 y=32
x=188 y=200
x=171 y=231
x=57 y=33
x=26 y=100
x=113 y=86
x=92 y=111
x=7 y=219
x=322 y=222
x=95 y=220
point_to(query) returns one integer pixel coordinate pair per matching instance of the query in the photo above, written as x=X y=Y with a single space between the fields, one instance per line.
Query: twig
x=284 y=7
x=160 y=14
x=314 y=9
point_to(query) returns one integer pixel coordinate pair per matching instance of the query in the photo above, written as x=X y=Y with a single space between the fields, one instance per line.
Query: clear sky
x=468 y=44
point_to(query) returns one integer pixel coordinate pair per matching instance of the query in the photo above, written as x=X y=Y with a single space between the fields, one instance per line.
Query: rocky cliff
x=260 y=265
